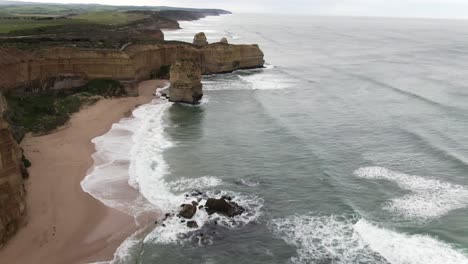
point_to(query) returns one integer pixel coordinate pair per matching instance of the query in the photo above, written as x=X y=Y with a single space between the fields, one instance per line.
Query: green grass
x=10 y=25
x=109 y=18
x=102 y=18
x=48 y=110
x=162 y=72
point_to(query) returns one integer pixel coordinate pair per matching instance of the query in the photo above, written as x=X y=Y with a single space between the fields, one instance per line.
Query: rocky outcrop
x=200 y=39
x=188 y=210
x=224 y=41
x=186 y=86
x=221 y=206
x=12 y=195
x=222 y=58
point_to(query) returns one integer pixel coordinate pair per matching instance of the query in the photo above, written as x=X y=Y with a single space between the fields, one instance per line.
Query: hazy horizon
x=375 y=8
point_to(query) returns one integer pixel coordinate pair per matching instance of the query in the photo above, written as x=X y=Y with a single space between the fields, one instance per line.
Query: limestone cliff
x=12 y=203
x=185 y=81
x=222 y=57
x=60 y=67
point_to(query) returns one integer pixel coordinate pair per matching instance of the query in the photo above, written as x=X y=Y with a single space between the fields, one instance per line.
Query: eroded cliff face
x=185 y=81
x=223 y=57
x=61 y=68
x=12 y=203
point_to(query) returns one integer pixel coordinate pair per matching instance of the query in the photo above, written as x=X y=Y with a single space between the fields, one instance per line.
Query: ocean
x=350 y=146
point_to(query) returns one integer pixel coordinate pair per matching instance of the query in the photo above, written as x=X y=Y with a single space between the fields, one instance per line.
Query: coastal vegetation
x=19 y=22
x=16 y=16
x=47 y=110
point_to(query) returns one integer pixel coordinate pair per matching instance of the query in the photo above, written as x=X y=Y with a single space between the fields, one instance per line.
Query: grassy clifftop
x=17 y=16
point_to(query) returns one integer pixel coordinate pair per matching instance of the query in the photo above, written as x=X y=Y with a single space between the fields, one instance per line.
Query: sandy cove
x=65 y=224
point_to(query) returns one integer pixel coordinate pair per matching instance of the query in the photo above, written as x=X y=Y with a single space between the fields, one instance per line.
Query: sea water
x=350 y=146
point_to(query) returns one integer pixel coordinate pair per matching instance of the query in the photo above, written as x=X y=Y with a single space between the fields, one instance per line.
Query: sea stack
x=224 y=41
x=185 y=79
x=200 y=39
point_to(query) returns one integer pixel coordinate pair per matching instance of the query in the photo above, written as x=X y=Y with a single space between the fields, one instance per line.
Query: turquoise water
x=349 y=147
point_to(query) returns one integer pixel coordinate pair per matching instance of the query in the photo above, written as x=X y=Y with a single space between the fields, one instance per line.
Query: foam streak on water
x=340 y=239
x=400 y=248
x=428 y=198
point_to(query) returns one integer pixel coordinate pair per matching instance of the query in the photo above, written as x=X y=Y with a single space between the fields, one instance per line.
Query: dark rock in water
x=182 y=221
x=199 y=199
x=200 y=206
x=197 y=193
x=227 y=197
x=194 y=203
x=224 y=207
x=192 y=224
x=163 y=225
x=188 y=210
x=166 y=216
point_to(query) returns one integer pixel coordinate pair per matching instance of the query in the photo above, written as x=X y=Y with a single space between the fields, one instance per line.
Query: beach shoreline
x=65 y=224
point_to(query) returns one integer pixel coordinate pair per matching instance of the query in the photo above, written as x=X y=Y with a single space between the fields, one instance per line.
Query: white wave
x=185 y=184
x=324 y=239
x=159 y=91
x=108 y=179
x=249 y=182
x=340 y=239
x=398 y=248
x=269 y=81
x=148 y=167
x=429 y=198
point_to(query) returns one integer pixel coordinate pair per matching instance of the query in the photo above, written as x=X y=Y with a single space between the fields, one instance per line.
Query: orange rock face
x=34 y=70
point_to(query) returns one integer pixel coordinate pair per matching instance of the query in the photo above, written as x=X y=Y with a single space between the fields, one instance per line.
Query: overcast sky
x=397 y=8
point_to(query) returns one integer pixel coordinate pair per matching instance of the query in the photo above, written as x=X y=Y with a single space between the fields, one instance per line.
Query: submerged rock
x=224 y=207
x=188 y=210
x=192 y=224
x=186 y=86
x=200 y=39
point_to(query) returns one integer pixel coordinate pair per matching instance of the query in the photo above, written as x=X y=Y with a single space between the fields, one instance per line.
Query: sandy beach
x=65 y=224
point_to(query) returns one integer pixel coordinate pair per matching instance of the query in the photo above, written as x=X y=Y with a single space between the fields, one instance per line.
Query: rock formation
x=186 y=86
x=224 y=207
x=200 y=39
x=39 y=69
x=188 y=210
x=12 y=203
x=224 y=41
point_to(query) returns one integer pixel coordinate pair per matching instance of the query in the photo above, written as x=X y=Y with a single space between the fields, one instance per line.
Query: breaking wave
x=428 y=198
x=342 y=239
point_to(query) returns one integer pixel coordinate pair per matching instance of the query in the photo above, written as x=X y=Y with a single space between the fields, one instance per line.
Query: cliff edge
x=66 y=67
x=12 y=194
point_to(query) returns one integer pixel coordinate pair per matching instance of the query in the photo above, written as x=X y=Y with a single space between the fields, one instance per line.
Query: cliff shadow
x=185 y=122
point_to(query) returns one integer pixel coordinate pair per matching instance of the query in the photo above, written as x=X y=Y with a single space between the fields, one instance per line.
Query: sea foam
x=324 y=239
x=428 y=198
x=108 y=179
x=341 y=239
x=403 y=248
